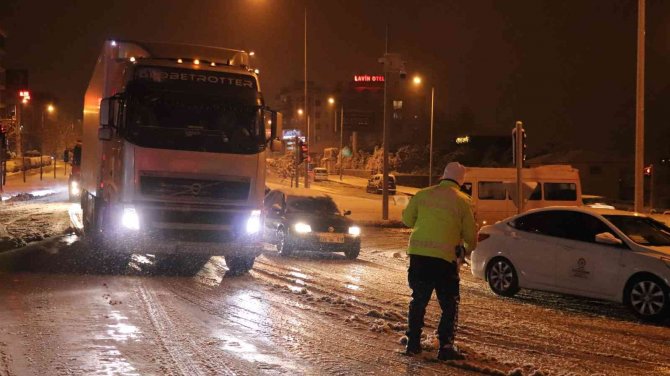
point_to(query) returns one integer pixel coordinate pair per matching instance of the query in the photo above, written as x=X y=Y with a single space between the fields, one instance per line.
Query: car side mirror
x=608 y=238
x=347 y=212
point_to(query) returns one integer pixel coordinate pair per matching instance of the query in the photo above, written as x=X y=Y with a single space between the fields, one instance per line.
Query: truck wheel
x=238 y=265
x=180 y=264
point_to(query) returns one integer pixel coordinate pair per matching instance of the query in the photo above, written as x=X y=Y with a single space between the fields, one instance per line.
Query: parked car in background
x=598 y=253
x=320 y=174
x=299 y=220
x=375 y=184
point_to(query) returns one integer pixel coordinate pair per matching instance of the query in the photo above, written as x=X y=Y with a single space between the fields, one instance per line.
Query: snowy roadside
x=34 y=210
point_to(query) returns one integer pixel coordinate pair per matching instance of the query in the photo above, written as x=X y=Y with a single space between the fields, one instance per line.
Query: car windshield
x=320 y=205
x=642 y=230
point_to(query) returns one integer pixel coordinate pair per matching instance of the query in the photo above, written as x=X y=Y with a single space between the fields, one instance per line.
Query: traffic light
x=303 y=151
x=524 y=145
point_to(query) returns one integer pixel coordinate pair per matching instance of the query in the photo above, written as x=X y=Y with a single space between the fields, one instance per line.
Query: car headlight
x=254 y=222
x=302 y=228
x=74 y=187
x=130 y=219
x=354 y=230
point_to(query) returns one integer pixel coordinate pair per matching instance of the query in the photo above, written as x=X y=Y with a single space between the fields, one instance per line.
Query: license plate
x=331 y=238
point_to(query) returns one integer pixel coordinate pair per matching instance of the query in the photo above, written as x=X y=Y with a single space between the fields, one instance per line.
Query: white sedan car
x=598 y=253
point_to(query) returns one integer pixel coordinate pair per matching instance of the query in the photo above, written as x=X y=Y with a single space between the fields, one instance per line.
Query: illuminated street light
x=300 y=112
x=417 y=80
x=51 y=108
x=331 y=101
x=252 y=53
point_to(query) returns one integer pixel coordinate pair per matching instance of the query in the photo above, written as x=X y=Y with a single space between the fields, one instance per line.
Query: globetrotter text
x=158 y=75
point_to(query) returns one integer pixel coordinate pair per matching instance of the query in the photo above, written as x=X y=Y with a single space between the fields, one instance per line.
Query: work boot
x=413 y=346
x=449 y=352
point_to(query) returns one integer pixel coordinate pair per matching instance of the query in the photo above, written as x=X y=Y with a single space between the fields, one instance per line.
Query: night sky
x=566 y=68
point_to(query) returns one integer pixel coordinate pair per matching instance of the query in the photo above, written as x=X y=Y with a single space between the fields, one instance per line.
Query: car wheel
x=502 y=277
x=238 y=265
x=647 y=297
x=284 y=246
x=352 y=253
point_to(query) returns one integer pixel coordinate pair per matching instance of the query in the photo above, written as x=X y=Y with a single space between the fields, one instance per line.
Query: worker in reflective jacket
x=442 y=222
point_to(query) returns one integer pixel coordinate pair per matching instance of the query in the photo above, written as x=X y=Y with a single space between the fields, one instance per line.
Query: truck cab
x=174 y=149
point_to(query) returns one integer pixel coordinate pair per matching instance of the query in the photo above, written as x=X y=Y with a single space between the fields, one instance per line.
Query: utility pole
x=17 y=131
x=306 y=108
x=639 y=110
x=392 y=64
x=41 y=144
x=306 y=183
x=432 y=126
x=296 y=162
x=341 y=139
x=518 y=158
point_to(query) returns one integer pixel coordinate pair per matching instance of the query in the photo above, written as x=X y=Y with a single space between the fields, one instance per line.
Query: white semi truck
x=173 y=156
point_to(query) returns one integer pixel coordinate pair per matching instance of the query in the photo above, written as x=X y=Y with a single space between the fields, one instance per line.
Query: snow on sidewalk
x=33 y=185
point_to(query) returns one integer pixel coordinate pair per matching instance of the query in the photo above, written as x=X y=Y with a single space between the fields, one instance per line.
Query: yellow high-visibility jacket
x=441 y=219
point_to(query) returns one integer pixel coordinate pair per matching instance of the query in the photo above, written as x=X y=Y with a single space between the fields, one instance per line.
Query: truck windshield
x=219 y=121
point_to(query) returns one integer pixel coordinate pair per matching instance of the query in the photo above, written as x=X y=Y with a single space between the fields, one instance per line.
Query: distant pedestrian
x=442 y=222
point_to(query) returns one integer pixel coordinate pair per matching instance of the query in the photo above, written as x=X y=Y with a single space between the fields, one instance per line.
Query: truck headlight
x=130 y=219
x=302 y=228
x=74 y=188
x=254 y=222
x=354 y=230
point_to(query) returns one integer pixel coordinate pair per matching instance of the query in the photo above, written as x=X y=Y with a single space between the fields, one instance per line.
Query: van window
x=467 y=188
x=537 y=193
x=560 y=191
x=491 y=190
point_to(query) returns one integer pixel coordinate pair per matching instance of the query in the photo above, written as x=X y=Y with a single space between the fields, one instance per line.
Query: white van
x=493 y=190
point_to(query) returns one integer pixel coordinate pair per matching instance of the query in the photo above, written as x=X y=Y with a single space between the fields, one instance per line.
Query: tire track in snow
x=166 y=333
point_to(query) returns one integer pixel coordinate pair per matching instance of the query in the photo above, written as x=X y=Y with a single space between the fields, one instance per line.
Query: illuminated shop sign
x=368 y=78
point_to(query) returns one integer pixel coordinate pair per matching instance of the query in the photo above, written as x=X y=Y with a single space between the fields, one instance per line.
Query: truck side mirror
x=105 y=133
x=105 y=118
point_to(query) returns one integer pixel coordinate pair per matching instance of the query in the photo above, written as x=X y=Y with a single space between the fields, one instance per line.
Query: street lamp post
x=341 y=139
x=417 y=81
x=49 y=108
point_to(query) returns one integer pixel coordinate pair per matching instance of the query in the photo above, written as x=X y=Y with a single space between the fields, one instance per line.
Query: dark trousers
x=426 y=274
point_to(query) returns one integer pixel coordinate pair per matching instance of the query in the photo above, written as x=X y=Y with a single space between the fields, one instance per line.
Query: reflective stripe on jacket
x=441 y=219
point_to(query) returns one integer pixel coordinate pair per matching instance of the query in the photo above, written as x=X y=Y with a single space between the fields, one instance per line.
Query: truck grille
x=160 y=186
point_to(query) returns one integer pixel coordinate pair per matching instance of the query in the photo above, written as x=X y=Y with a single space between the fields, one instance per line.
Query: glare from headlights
x=130 y=219
x=254 y=222
x=354 y=230
x=74 y=188
x=302 y=228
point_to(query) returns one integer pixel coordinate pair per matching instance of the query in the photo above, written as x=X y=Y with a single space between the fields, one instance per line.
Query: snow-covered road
x=312 y=313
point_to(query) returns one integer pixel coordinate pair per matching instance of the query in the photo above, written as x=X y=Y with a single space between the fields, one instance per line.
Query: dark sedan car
x=298 y=220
